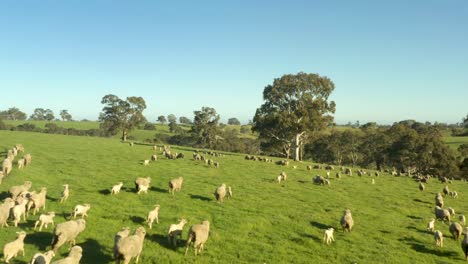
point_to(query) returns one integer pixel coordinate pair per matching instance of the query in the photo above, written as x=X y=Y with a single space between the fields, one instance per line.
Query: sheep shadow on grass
x=105 y=191
x=414 y=217
x=4 y=195
x=94 y=252
x=319 y=225
x=157 y=189
x=422 y=231
x=138 y=219
x=40 y=239
x=52 y=199
x=316 y=238
x=164 y=242
x=421 y=247
x=421 y=201
x=199 y=197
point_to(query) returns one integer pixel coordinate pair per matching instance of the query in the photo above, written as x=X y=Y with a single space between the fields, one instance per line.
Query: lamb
x=153 y=215
x=38 y=200
x=5 y=211
x=74 y=256
x=154 y=157
x=67 y=232
x=446 y=190
x=130 y=144
x=45 y=220
x=421 y=186
x=282 y=177
x=216 y=164
x=175 y=185
x=442 y=214
x=20 y=163
x=119 y=236
x=430 y=225
x=456 y=230
x=451 y=211
x=198 y=235
x=453 y=194
x=15 y=191
x=464 y=243
x=131 y=246
x=309 y=167
x=116 y=188
x=461 y=219
x=338 y=175
x=439 y=238
x=7 y=167
x=146 y=162
x=27 y=159
x=81 y=210
x=175 y=230
x=19 y=210
x=142 y=184
x=65 y=193
x=11 y=250
x=439 y=200
x=43 y=258
x=347 y=221
x=220 y=193
x=328 y=236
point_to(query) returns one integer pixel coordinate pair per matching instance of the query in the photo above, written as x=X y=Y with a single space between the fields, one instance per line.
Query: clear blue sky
x=389 y=60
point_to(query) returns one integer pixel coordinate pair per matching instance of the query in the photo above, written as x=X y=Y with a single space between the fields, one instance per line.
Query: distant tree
x=295 y=107
x=465 y=121
x=161 y=119
x=42 y=114
x=13 y=113
x=172 y=118
x=123 y=115
x=184 y=120
x=149 y=126
x=65 y=115
x=205 y=126
x=233 y=121
x=174 y=128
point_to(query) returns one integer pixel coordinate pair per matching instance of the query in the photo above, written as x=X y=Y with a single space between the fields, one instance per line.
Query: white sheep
x=38 y=200
x=453 y=194
x=116 y=188
x=442 y=214
x=27 y=159
x=198 y=235
x=67 y=232
x=430 y=225
x=421 y=186
x=146 y=162
x=81 y=210
x=439 y=238
x=373 y=181
x=131 y=246
x=20 y=164
x=154 y=157
x=124 y=232
x=65 y=193
x=451 y=211
x=19 y=210
x=43 y=258
x=456 y=230
x=15 y=191
x=11 y=250
x=7 y=167
x=464 y=243
x=461 y=219
x=347 y=221
x=175 y=185
x=220 y=192
x=153 y=215
x=45 y=220
x=142 y=184
x=328 y=236
x=74 y=256
x=175 y=230
x=5 y=208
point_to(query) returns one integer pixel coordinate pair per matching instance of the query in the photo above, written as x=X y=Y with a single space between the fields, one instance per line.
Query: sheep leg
x=157 y=220
x=35 y=225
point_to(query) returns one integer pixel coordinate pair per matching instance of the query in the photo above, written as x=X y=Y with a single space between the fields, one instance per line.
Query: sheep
x=442 y=214
x=282 y=177
x=121 y=234
x=20 y=164
x=11 y=250
x=220 y=193
x=456 y=230
x=439 y=238
x=328 y=236
x=175 y=185
x=347 y=221
x=439 y=200
x=317 y=167
x=154 y=157
x=180 y=156
x=43 y=258
x=5 y=211
x=81 y=210
x=328 y=174
x=421 y=187
x=430 y=225
x=38 y=200
x=17 y=190
x=142 y=184
x=453 y=194
x=27 y=159
x=65 y=193
x=175 y=230
x=146 y=162
x=461 y=219
x=116 y=188
x=376 y=174
x=67 y=232
x=19 y=210
x=319 y=180
x=7 y=167
x=446 y=190
x=45 y=220
x=338 y=175
x=309 y=167
x=373 y=181
x=198 y=235
x=74 y=256
x=329 y=167
x=130 y=144
x=153 y=215
x=327 y=182
x=1 y=176
x=451 y=211
x=131 y=246
x=464 y=243
x=216 y=164
x=19 y=147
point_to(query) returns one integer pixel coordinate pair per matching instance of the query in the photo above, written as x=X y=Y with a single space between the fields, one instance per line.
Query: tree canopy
x=171 y=118
x=205 y=126
x=184 y=120
x=13 y=113
x=161 y=119
x=65 y=115
x=42 y=114
x=233 y=121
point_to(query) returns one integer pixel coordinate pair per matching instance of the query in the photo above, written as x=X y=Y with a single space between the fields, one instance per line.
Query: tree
x=172 y=118
x=184 y=120
x=465 y=121
x=296 y=106
x=463 y=149
x=233 y=121
x=42 y=114
x=205 y=126
x=161 y=119
x=123 y=115
x=65 y=115
x=13 y=113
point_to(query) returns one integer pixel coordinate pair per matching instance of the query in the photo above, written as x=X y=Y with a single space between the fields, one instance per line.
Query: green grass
x=455 y=142
x=264 y=222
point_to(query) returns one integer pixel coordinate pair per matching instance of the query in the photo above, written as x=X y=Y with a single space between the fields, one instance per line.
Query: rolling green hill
x=264 y=222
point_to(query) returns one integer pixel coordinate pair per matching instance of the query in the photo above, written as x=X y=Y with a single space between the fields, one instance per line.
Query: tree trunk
x=297 y=147
x=124 y=135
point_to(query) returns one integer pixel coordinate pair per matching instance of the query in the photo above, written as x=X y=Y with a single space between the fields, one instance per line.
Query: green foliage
x=233 y=121
x=161 y=119
x=65 y=115
x=42 y=114
x=463 y=150
x=205 y=127
x=184 y=120
x=149 y=126
x=13 y=113
x=171 y=118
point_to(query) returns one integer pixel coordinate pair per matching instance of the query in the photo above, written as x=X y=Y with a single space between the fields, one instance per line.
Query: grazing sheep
x=67 y=232
x=19 y=210
x=146 y=162
x=142 y=184
x=347 y=221
x=43 y=258
x=130 y=144
x=282 y=177
x=329 y=167
x=81 y=210
x=421 y=186
x=216 y=164
x=180 y=156
x=461 y=219
x=198 y=235
x=175 y=230
x=65 y=193
x=7 y=166
x=45 y=220
x=116 y=188
x=328 y=236
x=464 y=243
x=439 y=200
x=442 y=214
x=153 y=215
x=327 y=182
x=376 y=174
x=38 y=200
x=19 y=147
x=453 y=194
x=11 y=250
x=309 y=167
x=451 y=211
x=175 y=185
x=121 y=234
x=446 y=190
x=21 y=163
x=456 y=230
x=27 y=159
x=430 y=225
x=328 y=174
x=131 y=246
x=154 y=157
x=338 y=175
x=15 y=191
x=319 y=180
x=439 y=238
x=5 y=208
x=220 y=192
x=74 y=256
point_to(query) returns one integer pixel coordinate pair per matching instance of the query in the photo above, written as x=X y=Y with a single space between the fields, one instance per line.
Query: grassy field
x=455 y=142
x=264 y=222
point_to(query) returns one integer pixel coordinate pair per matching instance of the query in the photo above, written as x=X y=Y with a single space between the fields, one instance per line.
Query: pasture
x=264 y=222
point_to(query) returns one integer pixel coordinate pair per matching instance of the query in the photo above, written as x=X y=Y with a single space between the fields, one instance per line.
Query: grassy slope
x=455 y=142
x=264 y=222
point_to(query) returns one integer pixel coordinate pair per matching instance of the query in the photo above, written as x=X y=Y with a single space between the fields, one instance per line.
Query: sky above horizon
x=390 y=61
